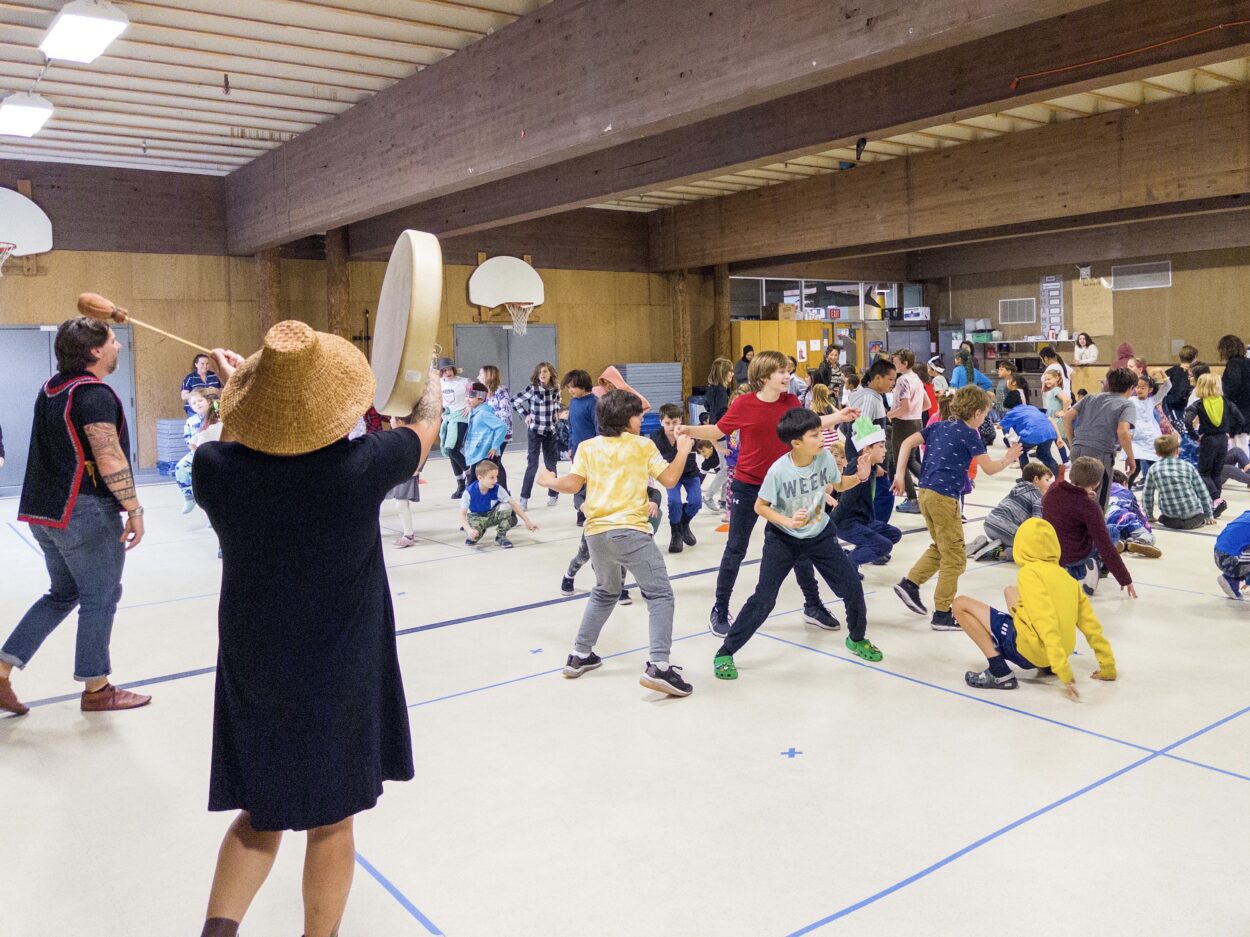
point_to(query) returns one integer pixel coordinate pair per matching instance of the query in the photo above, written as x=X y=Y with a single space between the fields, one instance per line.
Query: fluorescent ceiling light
x=83 y=30
x=22 y=114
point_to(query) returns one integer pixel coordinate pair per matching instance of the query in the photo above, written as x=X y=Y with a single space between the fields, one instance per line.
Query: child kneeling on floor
x=486 y=504
x=1022 y=502
x=792 y=500
x=614 y=467
x=1071 y=507
x=1126 y=522
x=1232 y=555
x=1038 y=631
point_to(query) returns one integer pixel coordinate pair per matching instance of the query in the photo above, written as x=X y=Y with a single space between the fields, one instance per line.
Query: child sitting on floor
x=1038 y=631
x=1022 y=502
x=1126 y=522
x=1183 y=499
x=853 y=517
x=486 y=504
x=791 y=499
x=1232 y=555
x=1072 y=508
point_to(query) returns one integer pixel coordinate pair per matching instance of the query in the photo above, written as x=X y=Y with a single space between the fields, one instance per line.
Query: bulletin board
x=1092 y=307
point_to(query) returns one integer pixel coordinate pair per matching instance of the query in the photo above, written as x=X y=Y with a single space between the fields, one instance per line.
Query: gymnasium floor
x=817 y=794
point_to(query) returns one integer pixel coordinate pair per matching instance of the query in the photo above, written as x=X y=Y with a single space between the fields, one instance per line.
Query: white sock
x=580 y=656
x=405 y=517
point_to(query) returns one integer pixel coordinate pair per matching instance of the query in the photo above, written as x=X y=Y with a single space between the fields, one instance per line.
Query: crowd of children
x=820 y=461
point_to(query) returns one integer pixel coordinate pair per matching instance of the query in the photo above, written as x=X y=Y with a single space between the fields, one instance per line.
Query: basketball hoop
x=520 y=313
x=6 y=248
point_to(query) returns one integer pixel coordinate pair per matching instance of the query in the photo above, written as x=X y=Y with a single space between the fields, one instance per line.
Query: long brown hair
x=551 y=369
x=721 y=374
x=822 y=403
x=491 y=373
x=213 y=396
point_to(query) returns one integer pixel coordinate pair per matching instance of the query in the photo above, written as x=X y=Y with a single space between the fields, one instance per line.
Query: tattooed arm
x=115 y=472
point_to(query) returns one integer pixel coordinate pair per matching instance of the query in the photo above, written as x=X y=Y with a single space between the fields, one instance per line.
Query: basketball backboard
x=24 y=223
x=502 y=280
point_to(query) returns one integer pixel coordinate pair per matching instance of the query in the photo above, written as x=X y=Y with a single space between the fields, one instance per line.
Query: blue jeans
x=693 y=487
x=872 y=542
x=85 y=563
x=1042 y=450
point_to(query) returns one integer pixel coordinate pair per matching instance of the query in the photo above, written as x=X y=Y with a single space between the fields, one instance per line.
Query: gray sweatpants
x=639 y=555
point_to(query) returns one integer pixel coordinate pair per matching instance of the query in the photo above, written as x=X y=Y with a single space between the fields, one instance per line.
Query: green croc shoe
x=724 y=668
x=865 y=649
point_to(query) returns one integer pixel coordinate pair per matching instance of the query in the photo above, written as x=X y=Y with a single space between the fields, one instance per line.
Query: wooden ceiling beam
x=658 y=66
x=1130 y=158
x=963 y=83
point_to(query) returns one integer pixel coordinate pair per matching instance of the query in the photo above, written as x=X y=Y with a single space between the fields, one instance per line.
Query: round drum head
x=409 y=311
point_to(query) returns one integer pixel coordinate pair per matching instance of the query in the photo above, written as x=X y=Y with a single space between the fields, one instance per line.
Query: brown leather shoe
x=112 y=699
x=9 y=700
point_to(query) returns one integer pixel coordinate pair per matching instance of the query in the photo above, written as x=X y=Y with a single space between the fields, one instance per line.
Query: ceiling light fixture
x=23 y=114
x=83 y=30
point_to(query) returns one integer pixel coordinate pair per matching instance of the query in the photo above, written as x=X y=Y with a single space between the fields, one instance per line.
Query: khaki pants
x=945 y=555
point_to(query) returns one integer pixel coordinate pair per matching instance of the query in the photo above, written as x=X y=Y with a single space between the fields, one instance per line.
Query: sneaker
x=552 y=500
x=819 y=616
x=1231 y=586
x=566 y=585
x=188 y=504
x=687 y=535
x=505 y=543
x=625 y=598
x=993 y=555
x=1219 y=507
x=112 y=699
x=405 y=540
x=525 y=504
x=865 y=649
x=909 y=592
x=1090 y=581
x=943 y=621
x=457 y=494
x=1121 y=546
x=470 y=542
x=1144 y=549
x=720 y=620
x=984 y=680
x=667 y=680
x=909 y=507
x=982 y=546
x=883 y=561
x=576 y=666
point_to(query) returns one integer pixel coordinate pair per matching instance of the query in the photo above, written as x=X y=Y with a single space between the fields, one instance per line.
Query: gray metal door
x=514 y=355
x=27 y=360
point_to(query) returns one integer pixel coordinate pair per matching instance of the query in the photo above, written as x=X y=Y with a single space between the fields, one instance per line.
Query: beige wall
x=1207 y=299
x=604 y=317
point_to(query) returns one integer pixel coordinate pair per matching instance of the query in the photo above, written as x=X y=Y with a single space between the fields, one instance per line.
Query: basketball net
x=5 y=250
x=520 y=313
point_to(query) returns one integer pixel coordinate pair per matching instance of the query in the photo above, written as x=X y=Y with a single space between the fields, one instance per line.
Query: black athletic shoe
x=1220 y=507
x=686 y=535
x=665 y=681
x=909 y=592
x=576 y=666
x=625 y=598
x=566 y=586
x=881 y=562
x=675 y=543
x=505 y=543
x=819 y=616
x=720 y=620
x=984 y=680
x=943 y=621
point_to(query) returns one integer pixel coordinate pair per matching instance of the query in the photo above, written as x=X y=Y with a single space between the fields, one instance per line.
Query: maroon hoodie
x=1081 y=526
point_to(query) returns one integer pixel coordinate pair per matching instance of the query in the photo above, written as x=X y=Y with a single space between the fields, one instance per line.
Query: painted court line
x=22 y=537
x=398 y=895
x=1003 y=830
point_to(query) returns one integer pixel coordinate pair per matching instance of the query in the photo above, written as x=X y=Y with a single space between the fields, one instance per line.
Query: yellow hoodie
x=1052 y=606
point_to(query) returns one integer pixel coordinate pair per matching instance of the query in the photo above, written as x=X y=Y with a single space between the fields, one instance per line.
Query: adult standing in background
x=744 y=363
x=1236 y=384
x=1085 y=352
x=720 y=381
x=1124 y=357
x=78 y=481
x=309 y=714
x=829 y=372
x=200 y=376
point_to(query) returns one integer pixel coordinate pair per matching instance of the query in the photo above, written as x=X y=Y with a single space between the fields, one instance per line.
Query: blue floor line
x=13 y=527
x=150 y=681
x=398 y=895
x=1003 y=830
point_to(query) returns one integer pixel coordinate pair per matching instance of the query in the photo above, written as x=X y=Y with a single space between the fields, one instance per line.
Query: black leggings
x=536 y=444
x=1143 y=466
x=1212 y=449
x=1235 y=466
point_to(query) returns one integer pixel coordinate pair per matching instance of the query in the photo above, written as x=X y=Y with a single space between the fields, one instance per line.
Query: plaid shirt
x=540 y=405
x=1180 y=490
x=501 y=402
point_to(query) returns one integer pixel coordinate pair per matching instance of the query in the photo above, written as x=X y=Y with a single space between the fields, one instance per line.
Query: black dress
x=310 y=713
x=1236 y=384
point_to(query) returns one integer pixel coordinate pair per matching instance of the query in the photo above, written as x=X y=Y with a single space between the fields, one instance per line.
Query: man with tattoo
x=78 y=481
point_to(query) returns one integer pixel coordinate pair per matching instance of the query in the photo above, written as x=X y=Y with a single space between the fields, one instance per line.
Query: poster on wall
x=801 y=354
x=1051 y=319
x=1092 y=307
x=875 y=348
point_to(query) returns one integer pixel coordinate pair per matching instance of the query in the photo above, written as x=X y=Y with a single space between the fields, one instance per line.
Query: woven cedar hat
x=301 y=392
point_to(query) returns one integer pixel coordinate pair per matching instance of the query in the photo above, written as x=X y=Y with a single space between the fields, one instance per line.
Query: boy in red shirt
x=755 y=416
x=1071 y=507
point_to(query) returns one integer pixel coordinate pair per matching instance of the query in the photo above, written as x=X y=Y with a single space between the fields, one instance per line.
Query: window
x=1017 y=311
x=1152 y=276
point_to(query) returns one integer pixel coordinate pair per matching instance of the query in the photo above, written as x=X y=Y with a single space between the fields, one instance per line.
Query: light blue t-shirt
x=787 y=488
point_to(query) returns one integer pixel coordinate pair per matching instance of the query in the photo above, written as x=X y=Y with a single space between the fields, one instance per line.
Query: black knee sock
x=998 y=666
x=220 y=927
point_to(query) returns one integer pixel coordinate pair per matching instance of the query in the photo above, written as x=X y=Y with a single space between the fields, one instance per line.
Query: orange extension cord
x=1015 y=82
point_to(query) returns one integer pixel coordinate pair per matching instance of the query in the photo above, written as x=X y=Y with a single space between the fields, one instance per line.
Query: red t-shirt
x=758 y=444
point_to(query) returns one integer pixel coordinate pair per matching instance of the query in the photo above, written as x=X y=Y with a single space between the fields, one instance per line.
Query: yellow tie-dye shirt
x=616 y=469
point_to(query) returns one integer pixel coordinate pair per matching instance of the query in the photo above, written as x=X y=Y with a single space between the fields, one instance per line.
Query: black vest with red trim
x=58 y=455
